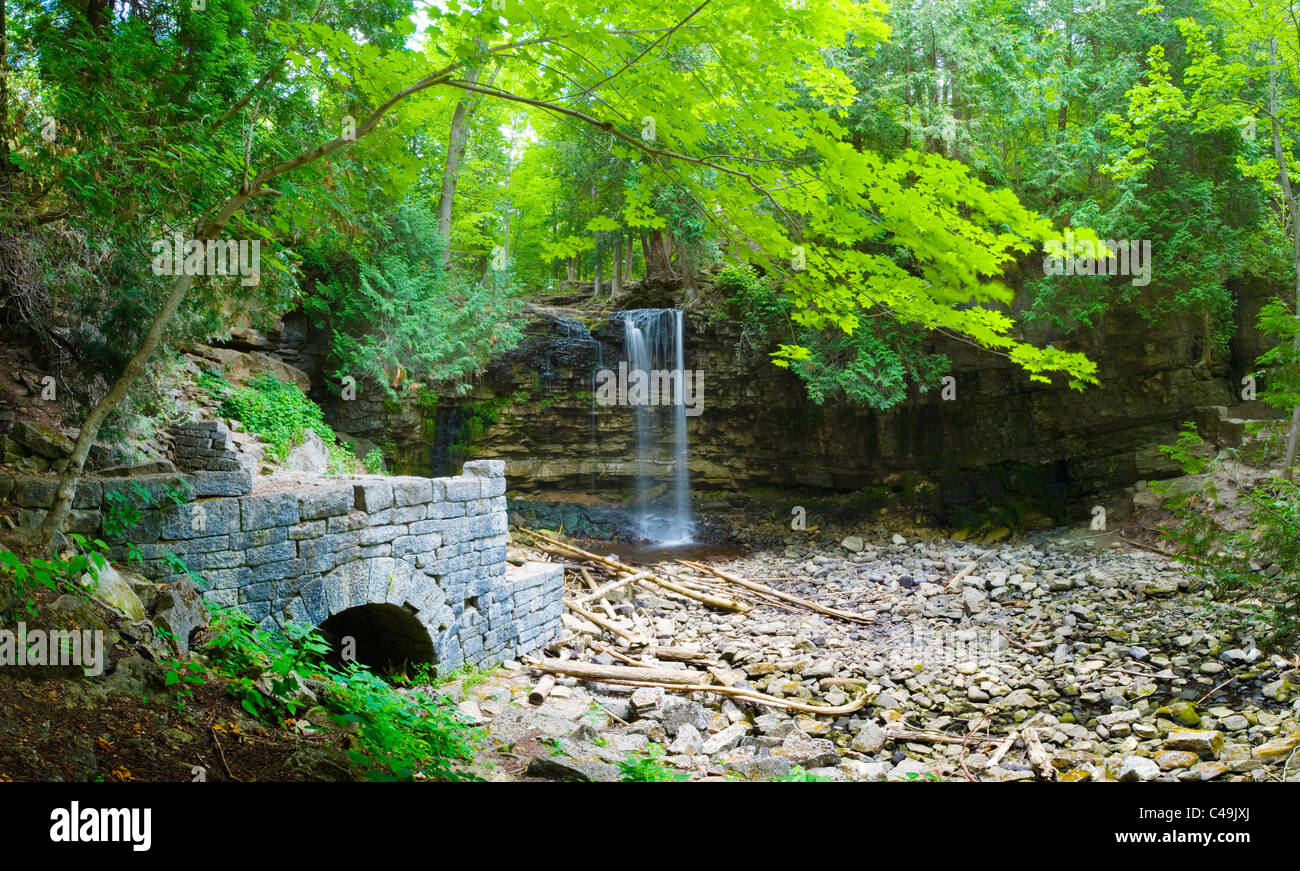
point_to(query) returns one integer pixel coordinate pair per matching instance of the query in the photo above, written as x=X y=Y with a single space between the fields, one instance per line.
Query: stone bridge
x=412 y=569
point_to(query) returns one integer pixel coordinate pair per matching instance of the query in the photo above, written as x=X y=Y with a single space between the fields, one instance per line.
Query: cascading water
x=654 y=340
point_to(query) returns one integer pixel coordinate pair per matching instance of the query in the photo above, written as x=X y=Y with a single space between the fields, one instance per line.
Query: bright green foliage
x=1280 y=365
x=61 y=573
x=374 y=462
x=799 y=775
x=873 y=366
x=397 y=319
x=727 y=125
x=1256 y=563
x=644 y=767
x=279 y=413
x=398 y=737
x=1021 y=93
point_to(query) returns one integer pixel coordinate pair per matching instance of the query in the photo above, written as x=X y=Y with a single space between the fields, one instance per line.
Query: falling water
x=654 y=340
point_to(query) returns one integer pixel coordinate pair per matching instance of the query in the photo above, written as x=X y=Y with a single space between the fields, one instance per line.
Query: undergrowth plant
x=61 y=573
x=645 y=767
x=281 y=414
x=399 y=737
x=1254 y=564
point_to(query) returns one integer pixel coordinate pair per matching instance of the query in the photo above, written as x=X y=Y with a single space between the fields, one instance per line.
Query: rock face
x=1001 y=438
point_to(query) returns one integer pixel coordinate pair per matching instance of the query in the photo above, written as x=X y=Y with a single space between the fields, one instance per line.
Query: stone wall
x=417 y=564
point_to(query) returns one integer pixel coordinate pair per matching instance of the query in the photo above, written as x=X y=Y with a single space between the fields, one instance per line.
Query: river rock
x=565 y=768
x=804 y=750
x=1137 y=768
x=869 y=740
x=678 y=712
x=688 y=742
x=1203 y=742
x=724 y=740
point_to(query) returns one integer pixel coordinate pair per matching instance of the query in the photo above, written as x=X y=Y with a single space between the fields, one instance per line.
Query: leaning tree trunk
x=456 y=141
x=135 y=367
x=1294 y=208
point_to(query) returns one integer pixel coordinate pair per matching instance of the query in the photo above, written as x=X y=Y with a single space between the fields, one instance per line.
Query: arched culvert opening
x=387 y=638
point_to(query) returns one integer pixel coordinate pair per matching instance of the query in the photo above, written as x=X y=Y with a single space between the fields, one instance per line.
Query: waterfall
x=654 y=340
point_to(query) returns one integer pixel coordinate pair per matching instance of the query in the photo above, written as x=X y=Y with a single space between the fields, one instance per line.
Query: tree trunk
x=456 y=141
x=134 y=369
x=690 y=277
x=595 y=283
x=4 y=104
x=616 y=276
x=628 y=271
x=654 y=245
x=1294 y=208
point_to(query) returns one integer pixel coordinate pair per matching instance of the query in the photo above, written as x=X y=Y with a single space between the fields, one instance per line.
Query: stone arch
x=385 y=637
x=387 y=605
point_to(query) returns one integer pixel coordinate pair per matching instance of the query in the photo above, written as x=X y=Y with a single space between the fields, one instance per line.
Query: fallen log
x=679 y=654
x=591 y=671
x=541 y=689
x=1037 y=755
x=603 y=590
x=601 y=622
x=936 y=737
x=1010 y=740
x=755 y=697
x=757 y=587
x=643 y=577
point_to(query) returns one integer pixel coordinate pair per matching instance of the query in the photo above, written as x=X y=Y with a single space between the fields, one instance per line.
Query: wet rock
x=724 y=740
x=804 y=750
x=678 y=712
x=574 y=770
x=1137 y=768
x=1203 y=742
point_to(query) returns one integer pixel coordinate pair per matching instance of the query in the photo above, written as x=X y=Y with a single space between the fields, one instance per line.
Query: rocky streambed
x=1052 y=658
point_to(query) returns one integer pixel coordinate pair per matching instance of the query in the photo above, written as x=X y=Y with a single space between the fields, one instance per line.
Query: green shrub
x=1257 y=564
x=59 y=573
x=645 y=767
x=280 y=414
x=374 y=462
x=799 y=775
x=398 y=737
